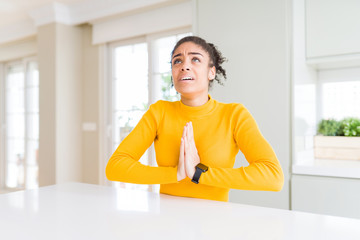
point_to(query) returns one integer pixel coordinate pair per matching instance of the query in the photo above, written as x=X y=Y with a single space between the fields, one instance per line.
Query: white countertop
x=84 y=211
x=306 y=164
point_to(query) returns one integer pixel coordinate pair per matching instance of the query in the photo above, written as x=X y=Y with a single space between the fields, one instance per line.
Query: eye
x=195 y=59
x=176 y=61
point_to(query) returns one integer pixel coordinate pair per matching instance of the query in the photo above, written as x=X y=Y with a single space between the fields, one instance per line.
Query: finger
x=182 y=155
x=182 y=146
x=190 y=135
x=188 y=132
x=181 y=165
x=184 y=132
x=191 y=131
x=186 y=145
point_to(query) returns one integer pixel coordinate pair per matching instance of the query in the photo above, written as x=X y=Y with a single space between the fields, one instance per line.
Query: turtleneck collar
x=198 y=111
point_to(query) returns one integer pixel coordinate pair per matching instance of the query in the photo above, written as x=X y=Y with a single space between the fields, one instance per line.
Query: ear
x=212 y=73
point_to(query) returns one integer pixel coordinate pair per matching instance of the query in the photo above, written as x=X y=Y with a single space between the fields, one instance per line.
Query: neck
x=195 y=101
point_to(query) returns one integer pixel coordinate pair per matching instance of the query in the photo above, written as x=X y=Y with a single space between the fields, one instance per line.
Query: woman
x=197 y=139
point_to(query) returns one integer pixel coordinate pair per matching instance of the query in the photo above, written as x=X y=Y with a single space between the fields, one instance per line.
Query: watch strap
x=199 y=169
x=197 y=175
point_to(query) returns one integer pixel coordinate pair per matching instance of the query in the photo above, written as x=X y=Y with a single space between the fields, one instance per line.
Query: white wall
x=47 y=105
x=69 y=72
x=60 y=68
x=254 y=37
x=90 y=108
x=18 y=49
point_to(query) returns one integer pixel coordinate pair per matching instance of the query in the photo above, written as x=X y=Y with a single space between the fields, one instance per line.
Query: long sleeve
x=124 y=164
x=264 y=171
x=220 y=131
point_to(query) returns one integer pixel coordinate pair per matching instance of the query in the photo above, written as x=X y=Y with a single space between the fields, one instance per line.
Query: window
x=129 y=91
x=324 y=87
x=339 y=99
x=21 y=121
x=140 y=75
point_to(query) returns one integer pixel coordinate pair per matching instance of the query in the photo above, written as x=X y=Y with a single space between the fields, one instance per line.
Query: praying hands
x=188 y=157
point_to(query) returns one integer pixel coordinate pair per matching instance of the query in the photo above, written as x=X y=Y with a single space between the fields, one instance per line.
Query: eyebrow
x=191 y=53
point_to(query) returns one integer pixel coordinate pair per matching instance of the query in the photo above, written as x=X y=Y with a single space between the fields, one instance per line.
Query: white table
x=83 y=211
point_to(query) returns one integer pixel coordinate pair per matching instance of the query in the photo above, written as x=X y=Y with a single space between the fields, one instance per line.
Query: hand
x=181 y=173
x=191 y=154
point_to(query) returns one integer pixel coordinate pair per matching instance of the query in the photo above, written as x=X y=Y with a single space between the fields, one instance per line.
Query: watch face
x=202 y=167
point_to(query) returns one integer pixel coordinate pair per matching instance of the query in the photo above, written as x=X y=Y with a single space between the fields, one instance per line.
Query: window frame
x=3 y=153
x=107 y=74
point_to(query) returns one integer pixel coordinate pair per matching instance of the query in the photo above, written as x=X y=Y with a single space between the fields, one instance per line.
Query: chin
x=184 y=91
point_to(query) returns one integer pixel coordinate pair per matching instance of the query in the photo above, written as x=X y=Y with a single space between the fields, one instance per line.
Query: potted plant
x=338 y=139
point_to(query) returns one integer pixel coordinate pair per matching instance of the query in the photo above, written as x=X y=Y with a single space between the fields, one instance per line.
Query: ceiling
x=14 y=11
x=20 y=19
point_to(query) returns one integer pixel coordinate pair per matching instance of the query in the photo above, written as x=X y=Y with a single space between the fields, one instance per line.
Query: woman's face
x=191 y=69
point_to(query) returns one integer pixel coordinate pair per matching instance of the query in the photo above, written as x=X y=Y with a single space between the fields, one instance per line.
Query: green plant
x=340 y=131
x=329 y=127
x=351 y=127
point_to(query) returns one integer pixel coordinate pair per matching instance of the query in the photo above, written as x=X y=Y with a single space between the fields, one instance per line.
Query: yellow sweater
x=220 y=131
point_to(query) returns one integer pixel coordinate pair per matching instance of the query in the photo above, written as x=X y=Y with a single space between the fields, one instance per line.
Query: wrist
x=192 y=173
x=180 y=176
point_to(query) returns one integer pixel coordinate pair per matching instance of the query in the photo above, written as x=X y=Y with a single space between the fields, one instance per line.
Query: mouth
x=186 y=78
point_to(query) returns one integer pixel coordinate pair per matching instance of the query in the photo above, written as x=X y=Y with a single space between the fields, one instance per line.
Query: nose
x=185 y=66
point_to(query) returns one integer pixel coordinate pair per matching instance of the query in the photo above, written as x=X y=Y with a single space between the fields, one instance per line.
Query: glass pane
x=15 y=125
x=22 y=121
x=15 y=175
x=15 y=100
x=131 y=77
x=341 y=99
x=162 y=66
x=130 y=94
x=15 y=151
x=164 y=46
x=124 y=122
x=33 y=74
x=32 y=99
x=15 y=77
x=167 y=89
x=33 y=126
x=15 y=163
x=32 y=153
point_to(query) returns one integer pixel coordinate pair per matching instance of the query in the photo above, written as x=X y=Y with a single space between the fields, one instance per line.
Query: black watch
x=199 y=169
